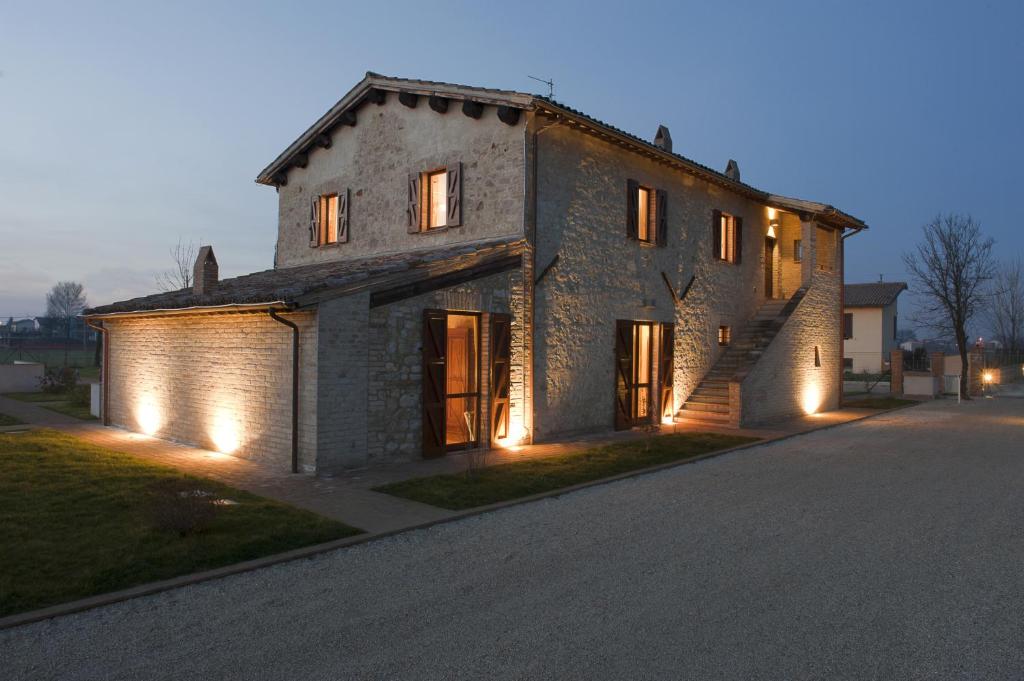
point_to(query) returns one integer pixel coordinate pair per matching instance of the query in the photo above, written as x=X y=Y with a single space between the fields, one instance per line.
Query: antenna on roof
x=550 y=83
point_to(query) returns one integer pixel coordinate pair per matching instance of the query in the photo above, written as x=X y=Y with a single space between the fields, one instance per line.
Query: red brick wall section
x=896 y=362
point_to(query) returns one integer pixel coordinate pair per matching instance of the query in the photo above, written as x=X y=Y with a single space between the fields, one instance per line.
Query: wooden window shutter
x=716 y=234
x=314 y=222
x=455 y=194
x=661 y=209
x=343 y=213
x=435 y=376
x=666 y=366
x=413 y=205
x=623 y=374
x=632 y=196
x=738 y=222
x=501 y=359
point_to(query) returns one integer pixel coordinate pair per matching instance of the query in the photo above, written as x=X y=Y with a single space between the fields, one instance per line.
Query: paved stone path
x=886 y=548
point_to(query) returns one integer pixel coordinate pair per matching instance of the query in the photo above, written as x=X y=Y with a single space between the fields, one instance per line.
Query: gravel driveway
x=890 y=548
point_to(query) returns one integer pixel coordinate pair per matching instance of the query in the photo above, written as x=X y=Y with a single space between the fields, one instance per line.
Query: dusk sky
x=126 y=126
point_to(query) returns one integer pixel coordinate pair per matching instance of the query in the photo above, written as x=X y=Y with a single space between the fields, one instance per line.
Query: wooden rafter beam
x=509 y=115
x=409 y=99
x=472 y=109
x=438 y=104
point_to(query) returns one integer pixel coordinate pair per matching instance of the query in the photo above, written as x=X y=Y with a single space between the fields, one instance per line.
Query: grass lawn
x=878 y=403
x=77 y=522
x=523 y=478
x=6 y=420
x=36 y=397
x=57 y=402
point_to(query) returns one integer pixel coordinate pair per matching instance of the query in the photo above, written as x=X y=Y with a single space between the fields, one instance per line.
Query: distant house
x=870 y=324
x=27 y=325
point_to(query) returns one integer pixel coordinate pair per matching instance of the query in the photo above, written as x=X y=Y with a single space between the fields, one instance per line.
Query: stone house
x=465 y=267
x=870 y=325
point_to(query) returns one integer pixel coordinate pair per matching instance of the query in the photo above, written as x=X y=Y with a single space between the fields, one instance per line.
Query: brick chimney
x=732 y=170
x=663 y=138
x=205 y=273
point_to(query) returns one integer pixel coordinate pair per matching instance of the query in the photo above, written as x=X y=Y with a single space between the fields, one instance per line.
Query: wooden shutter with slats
x=412 y=209
x=632 y=209
x=455 y=194
x=666 y=372
x=716 y=234
x=738 y=222
x=661 y=209
x=343 y=212
x=501 y=357
x=435 y=374
x=623 y=374
x=314 y=222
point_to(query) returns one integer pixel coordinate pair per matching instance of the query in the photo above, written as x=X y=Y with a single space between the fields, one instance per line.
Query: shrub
x=181 y=505
x=58 y=380
x=80 y=395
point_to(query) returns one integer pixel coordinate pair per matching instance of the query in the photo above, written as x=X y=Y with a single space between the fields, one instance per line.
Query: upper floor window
x=435 y=199
x=328 y=219
x=646 y=214
x=727 y=237
x=798 y=250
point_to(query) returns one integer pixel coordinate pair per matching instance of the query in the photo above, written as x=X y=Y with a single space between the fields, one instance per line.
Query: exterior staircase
x=710 y=400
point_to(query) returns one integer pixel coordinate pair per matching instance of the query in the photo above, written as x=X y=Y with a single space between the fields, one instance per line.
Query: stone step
x=707 y=406
x=708 y=391
x=699 y=398
x=692 y=415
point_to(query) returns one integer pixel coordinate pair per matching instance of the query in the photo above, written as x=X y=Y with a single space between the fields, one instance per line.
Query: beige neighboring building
x=460 y=267
x=870 y=325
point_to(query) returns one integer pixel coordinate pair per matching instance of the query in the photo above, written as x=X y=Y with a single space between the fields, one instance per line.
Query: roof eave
x=355 y=97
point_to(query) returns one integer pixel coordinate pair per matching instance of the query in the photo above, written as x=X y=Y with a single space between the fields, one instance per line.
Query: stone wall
x=395 y=359
x=785 y=381
x=602 y=276
x=373 y=160
x=343 y=355
x=216 y=381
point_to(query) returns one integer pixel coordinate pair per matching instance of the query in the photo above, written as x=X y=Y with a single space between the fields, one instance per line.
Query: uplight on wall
x=147 y=415
x=225 y=432
x=811 y=398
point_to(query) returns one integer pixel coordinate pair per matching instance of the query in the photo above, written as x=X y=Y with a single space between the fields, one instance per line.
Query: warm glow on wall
x=225 y=433
x=515 y=437
x=987 y=377
x=147 y=414
x=811 y=398
x=771 y=213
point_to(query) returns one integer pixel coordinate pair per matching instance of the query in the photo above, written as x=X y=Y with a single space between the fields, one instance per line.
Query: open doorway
x=769 y=267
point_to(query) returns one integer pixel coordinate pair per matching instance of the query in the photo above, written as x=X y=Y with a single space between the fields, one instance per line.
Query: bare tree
x=1006 y=313
x=184 y=256
x=952 y=267
x=64 y=302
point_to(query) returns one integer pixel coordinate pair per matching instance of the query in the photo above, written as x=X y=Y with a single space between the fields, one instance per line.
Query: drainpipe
x=104 y=370
x=295 y=385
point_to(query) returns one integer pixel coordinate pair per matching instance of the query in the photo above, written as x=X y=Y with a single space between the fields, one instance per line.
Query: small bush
x=181 y=505
x=58 y=381
x=81 y=395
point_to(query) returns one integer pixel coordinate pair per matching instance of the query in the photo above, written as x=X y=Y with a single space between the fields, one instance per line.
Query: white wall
x=866 y=345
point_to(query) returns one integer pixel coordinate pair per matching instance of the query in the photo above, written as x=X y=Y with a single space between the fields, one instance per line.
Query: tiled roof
x=296 y=286
x=357 y=95
x=878 y=294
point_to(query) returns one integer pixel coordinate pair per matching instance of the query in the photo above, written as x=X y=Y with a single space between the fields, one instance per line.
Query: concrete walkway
x=884 y=549
x=33 y=414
